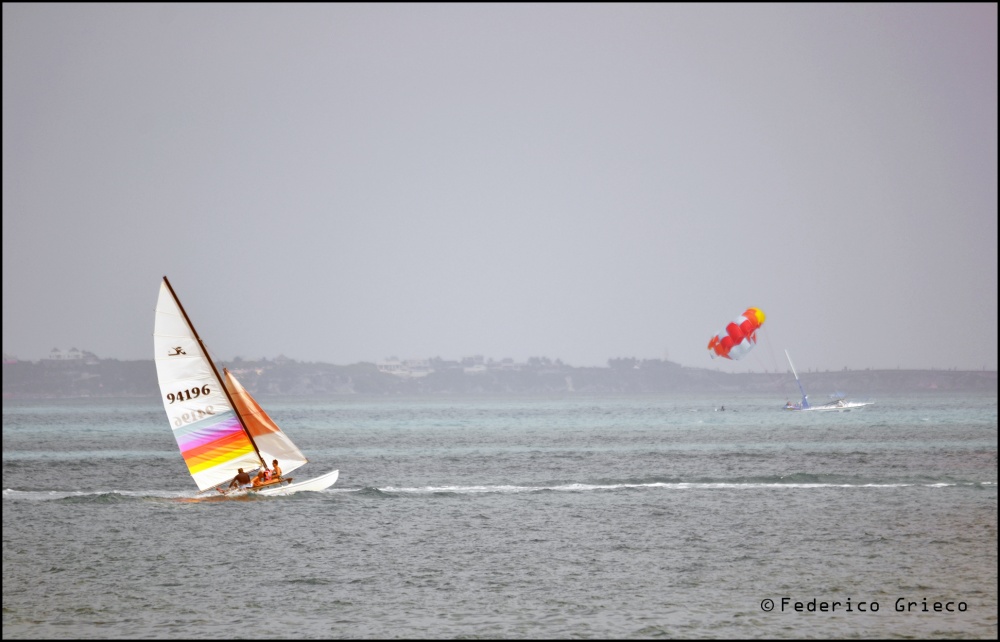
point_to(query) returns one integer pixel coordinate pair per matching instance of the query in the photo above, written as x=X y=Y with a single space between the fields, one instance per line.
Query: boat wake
x=795 y=481
x=658 y=485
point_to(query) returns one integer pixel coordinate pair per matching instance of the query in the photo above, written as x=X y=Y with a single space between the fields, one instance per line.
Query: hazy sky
x=350 y=182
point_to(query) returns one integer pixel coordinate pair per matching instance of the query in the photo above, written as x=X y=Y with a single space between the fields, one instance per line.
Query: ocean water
x=576 y=517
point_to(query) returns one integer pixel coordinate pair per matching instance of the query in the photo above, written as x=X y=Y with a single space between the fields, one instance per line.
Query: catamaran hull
x=846 y=407
x=317 y=483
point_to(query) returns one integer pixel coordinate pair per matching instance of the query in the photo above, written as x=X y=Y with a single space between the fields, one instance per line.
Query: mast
x=805 y=397
x=218 y=377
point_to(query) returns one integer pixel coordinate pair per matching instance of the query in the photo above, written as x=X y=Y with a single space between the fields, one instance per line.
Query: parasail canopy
x=737 y=338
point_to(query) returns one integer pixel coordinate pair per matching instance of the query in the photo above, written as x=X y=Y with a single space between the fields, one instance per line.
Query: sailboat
x=837 y=405
x=220 y=429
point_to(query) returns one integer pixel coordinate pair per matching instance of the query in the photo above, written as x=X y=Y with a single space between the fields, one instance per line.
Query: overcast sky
x=351 y=182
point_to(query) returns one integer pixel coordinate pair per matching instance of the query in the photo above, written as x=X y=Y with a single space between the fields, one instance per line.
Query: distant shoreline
x=112 y=378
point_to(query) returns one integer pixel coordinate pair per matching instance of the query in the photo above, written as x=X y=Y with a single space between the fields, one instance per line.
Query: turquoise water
x=616 y=517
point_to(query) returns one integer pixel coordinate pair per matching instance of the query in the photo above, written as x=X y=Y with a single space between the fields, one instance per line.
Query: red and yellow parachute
x=739 y=337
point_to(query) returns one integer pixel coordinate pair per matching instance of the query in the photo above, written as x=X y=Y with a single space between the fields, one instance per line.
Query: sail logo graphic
x=178 y=350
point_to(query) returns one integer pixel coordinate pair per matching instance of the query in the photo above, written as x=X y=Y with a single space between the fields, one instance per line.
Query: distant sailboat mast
x=805 y=397
x=215 y=370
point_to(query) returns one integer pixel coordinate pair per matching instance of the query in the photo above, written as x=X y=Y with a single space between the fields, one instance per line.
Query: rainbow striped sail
x=206 y=427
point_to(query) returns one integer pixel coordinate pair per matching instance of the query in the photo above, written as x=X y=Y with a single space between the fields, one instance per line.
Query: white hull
x=316 y=483
x=843 y=406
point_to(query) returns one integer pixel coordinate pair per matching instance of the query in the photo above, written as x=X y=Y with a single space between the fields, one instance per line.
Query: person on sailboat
x=275 y=470
x=242 y=480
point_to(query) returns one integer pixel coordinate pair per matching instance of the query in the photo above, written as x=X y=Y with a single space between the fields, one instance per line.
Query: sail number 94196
x=188 y=395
